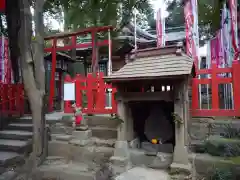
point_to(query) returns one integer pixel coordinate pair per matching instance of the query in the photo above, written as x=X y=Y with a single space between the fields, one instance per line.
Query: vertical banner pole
x=135 y=29
x=109 y=91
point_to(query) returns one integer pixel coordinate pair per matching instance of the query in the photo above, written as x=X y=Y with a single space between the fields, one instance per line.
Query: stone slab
x=139 y=173
x=13 y=143
x=61 y=137
x=71 y=171
x=104 y=132
x=82 y=142
x=159 y=161
x=82 y=135
x=8 y=157
x=8 y=175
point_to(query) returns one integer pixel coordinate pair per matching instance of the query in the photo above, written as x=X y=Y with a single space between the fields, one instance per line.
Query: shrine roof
x=153 y=65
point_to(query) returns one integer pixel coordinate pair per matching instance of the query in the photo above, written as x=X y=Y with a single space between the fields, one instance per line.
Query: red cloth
x=2 y=5
x=78 y=119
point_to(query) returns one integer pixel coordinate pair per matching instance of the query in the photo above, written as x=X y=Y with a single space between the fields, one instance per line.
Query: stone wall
x=201 y=128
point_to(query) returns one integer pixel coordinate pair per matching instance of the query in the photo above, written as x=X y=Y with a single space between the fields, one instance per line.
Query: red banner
x=2 y=5
x=160 y=29
x=233 y=14
x=213 y=45
x=189 y=27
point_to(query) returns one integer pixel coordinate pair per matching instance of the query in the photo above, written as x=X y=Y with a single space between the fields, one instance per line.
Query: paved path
x=139 y=173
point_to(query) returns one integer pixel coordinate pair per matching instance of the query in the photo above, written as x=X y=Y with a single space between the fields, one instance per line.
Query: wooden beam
x=146 y=96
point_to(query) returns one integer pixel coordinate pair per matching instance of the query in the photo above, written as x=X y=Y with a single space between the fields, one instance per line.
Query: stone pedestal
x=120 y=161
x=81 y=138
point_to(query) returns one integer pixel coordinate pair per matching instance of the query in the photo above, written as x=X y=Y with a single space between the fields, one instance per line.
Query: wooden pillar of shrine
x=181 y=112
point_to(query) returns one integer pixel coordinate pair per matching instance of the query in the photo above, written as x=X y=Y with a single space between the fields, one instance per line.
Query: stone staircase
x=15 y=144
x=84 y=157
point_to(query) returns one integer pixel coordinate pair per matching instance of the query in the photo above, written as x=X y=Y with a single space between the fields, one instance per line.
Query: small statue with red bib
x=78 y=115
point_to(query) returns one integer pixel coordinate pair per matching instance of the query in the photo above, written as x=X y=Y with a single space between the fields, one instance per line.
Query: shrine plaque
x=69 y=92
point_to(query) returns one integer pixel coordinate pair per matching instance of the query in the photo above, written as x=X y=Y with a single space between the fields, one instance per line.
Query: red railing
x=12 y=99
x=91 y=95
x=216 y=78
x=73 y=45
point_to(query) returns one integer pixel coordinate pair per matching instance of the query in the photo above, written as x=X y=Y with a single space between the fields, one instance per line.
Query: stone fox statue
x=78 y=115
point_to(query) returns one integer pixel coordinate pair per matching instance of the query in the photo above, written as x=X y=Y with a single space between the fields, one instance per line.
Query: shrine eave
x=155 y=63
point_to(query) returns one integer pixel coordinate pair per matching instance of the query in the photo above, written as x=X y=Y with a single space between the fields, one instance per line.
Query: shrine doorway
x=153 y=120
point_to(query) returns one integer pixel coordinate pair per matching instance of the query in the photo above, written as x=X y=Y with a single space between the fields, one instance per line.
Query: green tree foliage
x=80 y=14
x=209 y=14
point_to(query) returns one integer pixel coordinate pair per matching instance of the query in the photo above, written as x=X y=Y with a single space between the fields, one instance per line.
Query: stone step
x=144 y=173
x=103 y=142
x=73 y=171
x=78 y=153
x=15 y=145
x=104 y=132
x=9 y=159
x=15 y=135
x=8 y=175
x=22 y=120
x=21 y=126
x=101 y=120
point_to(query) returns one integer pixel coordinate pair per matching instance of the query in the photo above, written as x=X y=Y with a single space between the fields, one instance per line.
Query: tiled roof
x=156 y=66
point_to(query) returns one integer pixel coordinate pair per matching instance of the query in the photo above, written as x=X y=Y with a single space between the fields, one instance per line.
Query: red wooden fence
x=11 y=99
x=214 y=82
x=90 y=94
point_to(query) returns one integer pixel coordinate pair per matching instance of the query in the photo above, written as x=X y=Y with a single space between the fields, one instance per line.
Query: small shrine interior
x=153 y=101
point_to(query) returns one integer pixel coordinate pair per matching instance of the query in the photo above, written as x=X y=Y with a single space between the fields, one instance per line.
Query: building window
x=102 y=67
x=57 y=76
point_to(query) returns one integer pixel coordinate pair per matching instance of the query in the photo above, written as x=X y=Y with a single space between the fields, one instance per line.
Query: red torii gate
x=73 y=36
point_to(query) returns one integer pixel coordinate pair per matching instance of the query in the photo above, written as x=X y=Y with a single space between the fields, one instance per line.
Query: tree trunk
x=33 y=71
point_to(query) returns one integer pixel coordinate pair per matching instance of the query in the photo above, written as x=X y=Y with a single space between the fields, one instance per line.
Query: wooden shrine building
x=153 y=102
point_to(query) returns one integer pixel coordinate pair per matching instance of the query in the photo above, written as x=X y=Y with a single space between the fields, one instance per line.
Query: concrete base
x=120 y=162
x=160 y=161
x=181 y=168
x=139 y=173
x=81 y=142
x=74 y=171
x=180 y=155
x=82 y=135
x=81 y=128
x=61 y=137
x=121 y=149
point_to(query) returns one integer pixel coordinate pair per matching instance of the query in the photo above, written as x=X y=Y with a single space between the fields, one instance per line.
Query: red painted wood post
x=1 y=95
x=90 y=93
x=236 y=86
x=22 y=99
x=214 y=82
x=18 y=96
x=78 y=90
x=67 y=104
x=52 y=81
x=195 y=94
x=101 y=95
x=114 y=103
x=5 y=99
